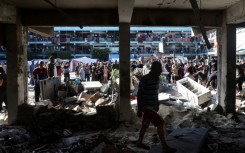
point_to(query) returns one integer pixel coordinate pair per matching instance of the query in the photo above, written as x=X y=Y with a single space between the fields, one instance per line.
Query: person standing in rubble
x=212 y=73
x=51 y=68
x=3 y=88
x=87 y=72
x=39 y=73
x=77 y=69
x=148 y=105
x=66 y=71
x=82 y=73
x=239 y=79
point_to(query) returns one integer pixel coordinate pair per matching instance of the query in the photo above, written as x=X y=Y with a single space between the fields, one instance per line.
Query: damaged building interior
x=103 y=118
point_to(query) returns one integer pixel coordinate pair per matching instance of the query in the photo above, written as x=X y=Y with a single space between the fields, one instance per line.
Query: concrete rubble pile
x=18 y=140
x=226 y=134
x=86 y=110
x=197 y=108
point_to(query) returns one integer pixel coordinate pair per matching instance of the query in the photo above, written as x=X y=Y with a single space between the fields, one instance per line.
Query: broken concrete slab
x=184 y=140
x=92 y=85
x=193 y=91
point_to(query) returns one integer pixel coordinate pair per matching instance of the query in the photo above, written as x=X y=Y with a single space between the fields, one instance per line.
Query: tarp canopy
x=84 y=60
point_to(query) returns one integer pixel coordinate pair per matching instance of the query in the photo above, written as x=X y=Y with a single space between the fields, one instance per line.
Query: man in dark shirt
x=140 y=65
x=148 y=105
x=51 y=68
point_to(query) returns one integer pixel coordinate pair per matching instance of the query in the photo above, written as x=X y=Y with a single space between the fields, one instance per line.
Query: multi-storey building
x=144 y=41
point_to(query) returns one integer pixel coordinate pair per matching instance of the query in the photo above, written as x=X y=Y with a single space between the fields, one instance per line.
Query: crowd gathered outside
x=96 y=71
x=201 y=69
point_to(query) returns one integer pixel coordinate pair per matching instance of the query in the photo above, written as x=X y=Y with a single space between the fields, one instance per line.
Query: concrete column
x=124 y=70
x=227 y=63
x=221 y=74
x=16 y=44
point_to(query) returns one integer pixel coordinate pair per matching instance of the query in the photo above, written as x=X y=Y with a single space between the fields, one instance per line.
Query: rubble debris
x=104 y=88
x=62 y=125
x=101 y=101
x=95 y=97
x=185 y=140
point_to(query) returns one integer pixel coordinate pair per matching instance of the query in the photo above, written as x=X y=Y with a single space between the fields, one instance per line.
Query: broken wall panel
x=193 y=91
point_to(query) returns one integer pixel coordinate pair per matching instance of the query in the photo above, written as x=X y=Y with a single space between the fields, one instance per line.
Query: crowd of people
x=98 y=71
x=201 y=69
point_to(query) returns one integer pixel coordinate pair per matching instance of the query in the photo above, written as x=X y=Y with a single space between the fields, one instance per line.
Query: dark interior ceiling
x=105 y=4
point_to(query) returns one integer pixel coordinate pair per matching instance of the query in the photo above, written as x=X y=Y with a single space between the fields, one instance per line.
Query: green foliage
x=101 y=54
x=114 y=74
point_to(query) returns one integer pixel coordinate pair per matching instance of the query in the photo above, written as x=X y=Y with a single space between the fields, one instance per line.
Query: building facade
x=144 y=41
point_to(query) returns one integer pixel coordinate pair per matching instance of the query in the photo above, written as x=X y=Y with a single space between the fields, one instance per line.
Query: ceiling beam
x=87 y=17
x=69 y=18
x=109 y=17
x=125 y=10
x=197 y=14
x=43 y=31
x=236 y=13
x=8 y=13
x=171 y=17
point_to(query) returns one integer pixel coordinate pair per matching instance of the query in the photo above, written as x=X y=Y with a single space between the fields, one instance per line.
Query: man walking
x=148 y=105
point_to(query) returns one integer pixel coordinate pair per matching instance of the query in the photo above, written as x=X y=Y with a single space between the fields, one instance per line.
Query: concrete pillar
x=16 y=44
x=124 y=70
x=221 y=74
x=227 y=63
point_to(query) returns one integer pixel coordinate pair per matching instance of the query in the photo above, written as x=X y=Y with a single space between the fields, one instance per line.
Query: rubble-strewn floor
x=67 y=130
